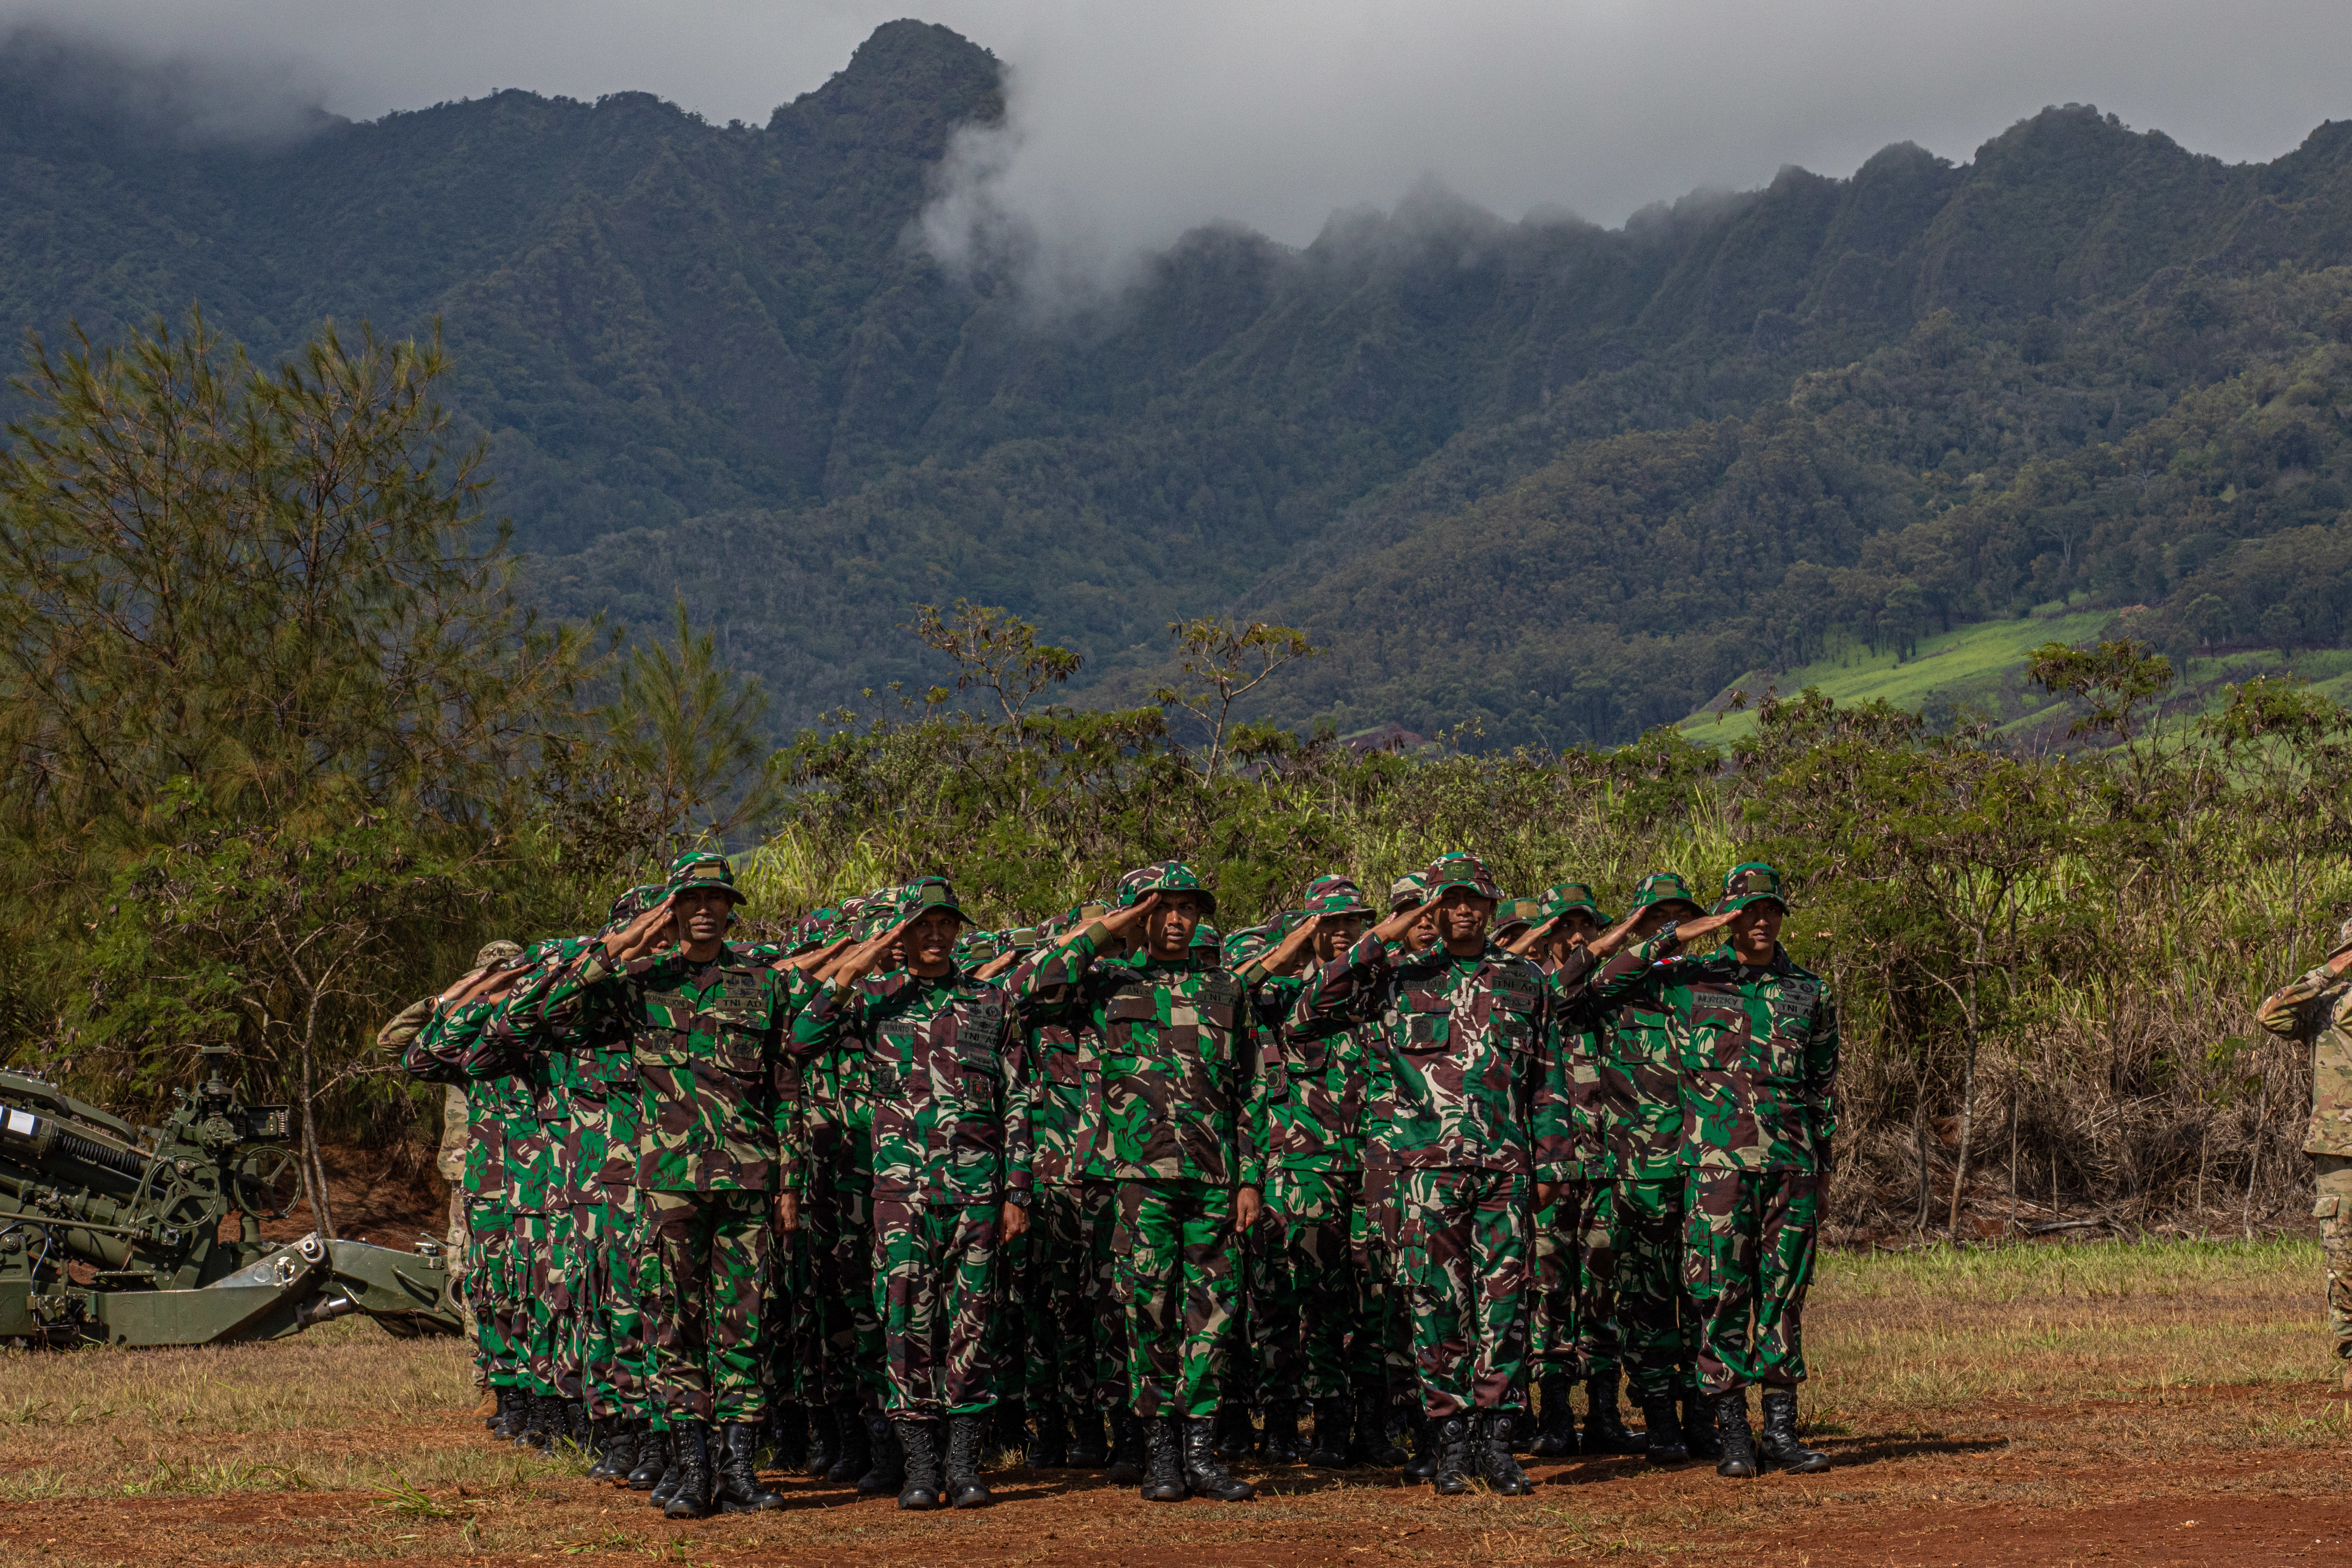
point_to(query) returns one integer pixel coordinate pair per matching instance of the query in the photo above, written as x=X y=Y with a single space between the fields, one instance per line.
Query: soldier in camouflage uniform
x=1373 y=1238
x=1756 y=1042
x=1169 y=1030
x=1481 y=1115
x=1077 y=1351
x=715 y=1039
x=1640 y=1079
x=1305 y=1148
x=1573 y=1336
x=950 y=1165
x=2317 y=1008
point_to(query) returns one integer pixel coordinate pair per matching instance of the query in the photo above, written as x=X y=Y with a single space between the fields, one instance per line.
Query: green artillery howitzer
x=144 y=1210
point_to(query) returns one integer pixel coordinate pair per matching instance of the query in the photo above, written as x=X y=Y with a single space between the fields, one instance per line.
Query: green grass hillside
x=1983 y=665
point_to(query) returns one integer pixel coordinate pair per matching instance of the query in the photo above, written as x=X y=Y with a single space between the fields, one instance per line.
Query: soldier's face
x=1336 y=935
x=930 y=941
x=1756 y=933
x=1653 y=919
x=1171 y=926
x=1421 y=935
x=1576 y=930
x=701 y=916
x=1462 y=919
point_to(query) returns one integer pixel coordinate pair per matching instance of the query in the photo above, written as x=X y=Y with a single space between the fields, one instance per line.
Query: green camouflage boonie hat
x=499 y=952
x=1464 y=870
x=1206 y=935
x=814 y=929
x=636 y=902
x=1408 y=890
x=929 y=894
x=699 y=868
x=1512 y=914
x=1162 y=876
x=1752 y=882
x=1336 y=895
x=1020 y=939
x=1664 y=887
x=1565 y=897
x=975 y=948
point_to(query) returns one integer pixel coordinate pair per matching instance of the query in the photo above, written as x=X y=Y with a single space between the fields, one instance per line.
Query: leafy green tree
x=688 y=733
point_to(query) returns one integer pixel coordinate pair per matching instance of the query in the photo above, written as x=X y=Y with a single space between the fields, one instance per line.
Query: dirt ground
x=2154 y=1404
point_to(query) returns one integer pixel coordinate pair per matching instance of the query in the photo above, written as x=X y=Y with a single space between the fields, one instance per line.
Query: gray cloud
x=1130 y=122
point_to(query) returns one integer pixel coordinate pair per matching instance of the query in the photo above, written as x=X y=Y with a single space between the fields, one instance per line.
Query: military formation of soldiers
x=1363 y=1186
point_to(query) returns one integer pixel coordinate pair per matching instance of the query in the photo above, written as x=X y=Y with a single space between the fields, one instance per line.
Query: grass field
x=1987 y=1406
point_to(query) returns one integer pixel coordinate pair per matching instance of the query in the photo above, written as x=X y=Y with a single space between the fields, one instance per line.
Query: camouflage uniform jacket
x=508 y=1163
x=1581 y=1035
x=1307 y=1102
x=2318 y=1008
x=1639 y=1064
x=717 y=1050
x=1065 y=1085
x=470 y=1155
x=1172 y=1073
x=579 y=1065
x=1757 y=1052
x=943 y=1076
x=1475 y=1078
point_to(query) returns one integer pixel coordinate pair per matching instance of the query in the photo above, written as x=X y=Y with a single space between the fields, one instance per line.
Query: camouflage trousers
x=838 y=1337
x=1076 y=1350
x=934 y=1290
x=1655 y=1322
x=1304 y=1296
x=526 y=1320
x=481 y=1282
x=1383 y=1329
x=2331 y=1176
x=1747 y=1256
x=1463 y=1247
x=1174 y=1273
x=1572 y=1334
x=699 y=1269
x=617 y=1352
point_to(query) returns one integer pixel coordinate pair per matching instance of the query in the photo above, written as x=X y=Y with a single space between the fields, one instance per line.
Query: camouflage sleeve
x=1553 y=1129
x=1632 y=973
x=411 y=1033
x=1820 y=1070
x=554 y=1003
x=1019 y=1144
x=2296 y=1009
x=1345 y=992
x=1053 y=989
x=1256 y=1118
x=822 y=1014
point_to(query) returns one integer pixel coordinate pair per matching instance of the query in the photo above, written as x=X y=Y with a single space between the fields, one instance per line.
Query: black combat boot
x=889 y=1471
x=1421 y=1463
x=736 y=1487
x=1129 y=1436
x=1008 y=1424
x=1332 y=1434
x=1605 y=1431
x=695 y=1477
x=616 y=1442
x=788 y=1436
x=542 y=1422
x=1495 y=1463
x=508 y=1421
x=1698 y=1427
x=1203 y=1475
x=1556 y=1420
x=965 y=1488
x=920 y=1442
x=1279 y=1446
x=853 y=1455
x=1088 y=1449
x=1736 y=1455
x=1373 y=1442
x=1779 y=1448
x=581 y=1433
x=653 y=1461
x=1163 y=1465
x=1050 y=1449
x=1454 y=1461
x=1233 y=1433
x=824 y=1440
x=1664 y=1440
x=673 y=1469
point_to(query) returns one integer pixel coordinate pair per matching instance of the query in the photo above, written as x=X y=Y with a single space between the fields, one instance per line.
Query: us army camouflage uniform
x=1479 y=1109
x=1759 y=1054
x=1173 y=1084
x=715 y=1050
x=2318 y=1008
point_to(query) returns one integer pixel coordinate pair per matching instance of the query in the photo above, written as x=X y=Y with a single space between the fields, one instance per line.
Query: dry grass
x=2030 y=1383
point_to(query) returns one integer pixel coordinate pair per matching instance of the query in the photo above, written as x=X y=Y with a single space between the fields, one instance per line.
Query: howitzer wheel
x=271 y=1187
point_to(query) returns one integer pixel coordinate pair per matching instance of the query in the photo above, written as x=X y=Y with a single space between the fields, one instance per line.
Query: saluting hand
x=641 y=936
x=1393 y=927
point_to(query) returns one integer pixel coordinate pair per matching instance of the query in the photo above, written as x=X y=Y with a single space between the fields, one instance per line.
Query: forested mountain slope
x=1562 y=479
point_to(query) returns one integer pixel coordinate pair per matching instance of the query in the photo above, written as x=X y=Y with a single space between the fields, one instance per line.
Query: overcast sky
x=1130 y=122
